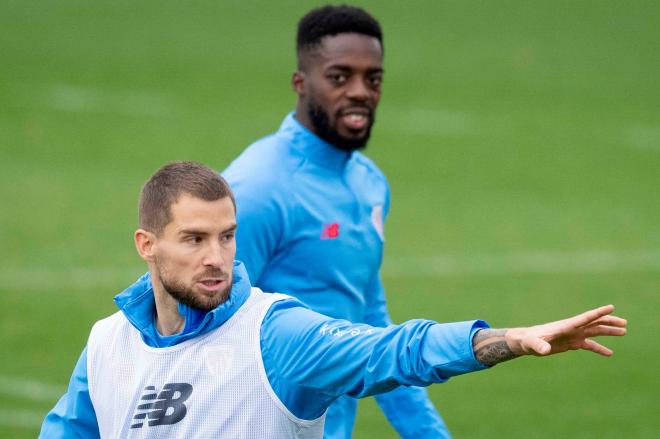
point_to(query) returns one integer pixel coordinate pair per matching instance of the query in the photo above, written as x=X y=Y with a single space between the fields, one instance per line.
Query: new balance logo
x=330 y=231
x=165 y=408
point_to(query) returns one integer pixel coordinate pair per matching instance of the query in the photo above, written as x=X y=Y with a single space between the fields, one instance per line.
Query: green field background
x=521 y=140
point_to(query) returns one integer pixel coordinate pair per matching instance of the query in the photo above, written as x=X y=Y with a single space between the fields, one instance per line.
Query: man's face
x=194 y=255
x=339 y=88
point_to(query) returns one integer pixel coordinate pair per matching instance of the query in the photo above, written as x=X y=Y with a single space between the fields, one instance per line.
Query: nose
x=357 y=89
x=213 y=256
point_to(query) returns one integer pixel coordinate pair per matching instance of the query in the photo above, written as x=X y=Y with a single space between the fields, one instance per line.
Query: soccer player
x=311 y=207
x=196 y=352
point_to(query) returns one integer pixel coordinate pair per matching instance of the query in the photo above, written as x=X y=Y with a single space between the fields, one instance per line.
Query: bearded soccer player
x=196 y=352
x=312 y=208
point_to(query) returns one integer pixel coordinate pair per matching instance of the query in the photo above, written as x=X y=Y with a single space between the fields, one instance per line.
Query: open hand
x=568 y=334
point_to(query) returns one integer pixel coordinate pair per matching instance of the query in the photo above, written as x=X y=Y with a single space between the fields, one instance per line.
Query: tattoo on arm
x=490 y=347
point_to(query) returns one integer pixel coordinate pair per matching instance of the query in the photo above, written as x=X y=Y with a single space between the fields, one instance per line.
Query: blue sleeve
x=73 y=416
x=311 y=359
x=259 y=220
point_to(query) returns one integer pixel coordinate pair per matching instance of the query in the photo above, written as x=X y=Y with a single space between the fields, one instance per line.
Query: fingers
x=610 y=321
x=589 y=317
x=598 y=330
x=596 y=347
x=606 y=325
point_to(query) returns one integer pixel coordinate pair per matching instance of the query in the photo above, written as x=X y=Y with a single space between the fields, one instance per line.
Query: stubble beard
x=187 y=296
x=321 y=122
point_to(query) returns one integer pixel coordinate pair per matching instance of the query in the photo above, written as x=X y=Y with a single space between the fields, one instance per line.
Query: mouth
x=212 y=284
x=356 y=119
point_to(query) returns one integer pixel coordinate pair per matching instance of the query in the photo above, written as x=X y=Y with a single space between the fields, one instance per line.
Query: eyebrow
x=346 y=68
x=192 y=232
x=231 y=228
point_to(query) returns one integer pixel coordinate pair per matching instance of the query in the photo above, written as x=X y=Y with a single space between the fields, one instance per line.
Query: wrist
x=491 y=346
x=514 y=339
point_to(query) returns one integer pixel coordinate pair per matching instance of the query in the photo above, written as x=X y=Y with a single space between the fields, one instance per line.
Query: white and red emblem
x=377 y=220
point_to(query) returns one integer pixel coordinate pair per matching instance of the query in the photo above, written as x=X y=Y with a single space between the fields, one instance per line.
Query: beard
x=187 y=296
x=321 y=122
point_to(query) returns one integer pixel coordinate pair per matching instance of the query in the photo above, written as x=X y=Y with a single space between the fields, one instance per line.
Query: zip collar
x=312 y=147
x=138 y=305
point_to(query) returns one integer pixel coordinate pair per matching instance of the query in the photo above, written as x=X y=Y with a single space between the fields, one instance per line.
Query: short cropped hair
x=332 y=20
x=170 y=182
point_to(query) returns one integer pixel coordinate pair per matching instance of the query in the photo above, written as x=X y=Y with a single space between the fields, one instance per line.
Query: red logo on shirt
x=330 y=231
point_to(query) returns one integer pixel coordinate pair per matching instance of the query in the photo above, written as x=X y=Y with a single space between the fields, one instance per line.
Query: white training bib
x=212 y=386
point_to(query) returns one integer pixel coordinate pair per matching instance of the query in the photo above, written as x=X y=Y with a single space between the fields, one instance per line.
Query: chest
x=338 y=219
x=142 y=392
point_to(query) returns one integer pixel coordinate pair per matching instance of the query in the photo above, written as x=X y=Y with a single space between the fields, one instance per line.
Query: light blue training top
x=311 y=221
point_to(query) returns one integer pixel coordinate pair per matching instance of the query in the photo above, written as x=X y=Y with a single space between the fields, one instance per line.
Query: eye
x=228 y=236
x=337 y=78
x=193 y=239
x=375 y=81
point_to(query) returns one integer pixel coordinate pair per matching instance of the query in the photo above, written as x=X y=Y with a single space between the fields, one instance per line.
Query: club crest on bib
x=377 y=220
x=219 y=360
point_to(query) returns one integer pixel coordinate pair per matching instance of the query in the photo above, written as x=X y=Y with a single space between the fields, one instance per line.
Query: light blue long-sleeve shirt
x=311 y=220
x=310 y=359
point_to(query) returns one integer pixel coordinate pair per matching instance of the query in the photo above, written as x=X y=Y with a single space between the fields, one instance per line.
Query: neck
x=168 y=319
x=302 y=116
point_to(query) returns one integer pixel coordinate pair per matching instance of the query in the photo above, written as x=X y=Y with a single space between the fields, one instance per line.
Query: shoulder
x=288 y=318
x=269 y=299
x=264 y=176
x=264 y=162
x=369 y=178
x=365 y=164
x=105 y=327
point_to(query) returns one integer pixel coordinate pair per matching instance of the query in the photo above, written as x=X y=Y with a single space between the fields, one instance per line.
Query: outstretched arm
x=311 y=359
x=492 y=346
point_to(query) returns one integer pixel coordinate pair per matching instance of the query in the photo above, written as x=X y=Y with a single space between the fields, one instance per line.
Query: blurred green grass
x=508 y=130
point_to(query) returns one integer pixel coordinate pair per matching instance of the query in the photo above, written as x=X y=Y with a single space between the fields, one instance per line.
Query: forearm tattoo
x=490 y=347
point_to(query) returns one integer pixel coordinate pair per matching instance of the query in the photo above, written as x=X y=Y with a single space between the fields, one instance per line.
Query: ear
x=144 y=244
x=298 y=82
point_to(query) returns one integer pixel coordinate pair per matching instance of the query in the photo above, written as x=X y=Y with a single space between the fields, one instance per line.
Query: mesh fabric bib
x=212 y=386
